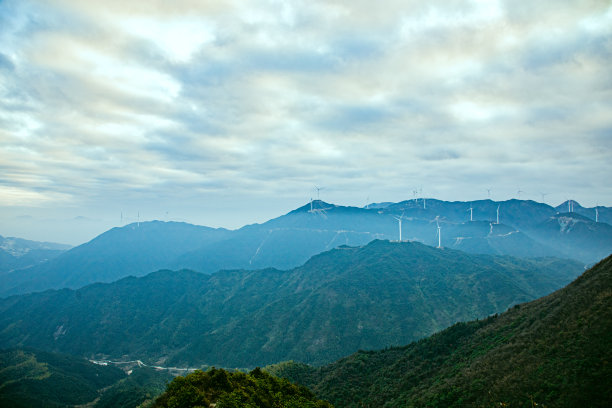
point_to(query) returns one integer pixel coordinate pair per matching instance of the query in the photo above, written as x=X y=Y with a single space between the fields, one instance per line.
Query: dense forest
x=223 y=389
x=350 y=298
x=554 y=352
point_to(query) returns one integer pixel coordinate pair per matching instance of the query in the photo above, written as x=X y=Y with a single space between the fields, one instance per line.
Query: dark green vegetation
x=38 y=379
x=340 y=301
x=555 y=351
x=17 y=253
x=256 y=389
x=31 y=378
x=142 y=386
x=526 y=229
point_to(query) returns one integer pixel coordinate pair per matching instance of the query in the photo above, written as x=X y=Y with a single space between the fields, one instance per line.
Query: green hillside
x=341 y=301
x=222 y=389
x=555 y=351
x=31 y=378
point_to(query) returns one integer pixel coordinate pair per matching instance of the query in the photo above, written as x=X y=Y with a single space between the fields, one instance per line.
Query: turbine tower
x=596 y=215
x=399 y=220
x=543 y=195
x=497 y=214
x=318 y=190
x=471 y=212
x=439 y=234
x=489 y=192
x=519 y=193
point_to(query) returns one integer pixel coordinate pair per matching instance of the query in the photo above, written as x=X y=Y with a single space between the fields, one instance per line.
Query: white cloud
x=187 y=101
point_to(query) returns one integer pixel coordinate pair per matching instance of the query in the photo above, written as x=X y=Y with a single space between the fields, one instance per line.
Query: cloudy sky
x=227 y=113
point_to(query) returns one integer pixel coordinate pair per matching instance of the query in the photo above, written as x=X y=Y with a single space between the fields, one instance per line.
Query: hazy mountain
x=601 y=213
x=18 y=253
x=340 y=301
x=135 y=249
x=554 y=351
x=290 y=240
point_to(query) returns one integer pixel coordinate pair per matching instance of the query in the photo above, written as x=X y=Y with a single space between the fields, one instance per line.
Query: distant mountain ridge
x=18 y=253
x=349 y=298
x=525 y=229
x=554 y=351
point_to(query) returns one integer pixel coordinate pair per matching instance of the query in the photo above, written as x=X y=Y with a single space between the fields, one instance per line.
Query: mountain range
x=346 y=299
x=553 y=352
x=525 y=229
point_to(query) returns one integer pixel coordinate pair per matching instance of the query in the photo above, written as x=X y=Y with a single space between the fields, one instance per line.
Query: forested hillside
x=350 y=298
x=553 y=352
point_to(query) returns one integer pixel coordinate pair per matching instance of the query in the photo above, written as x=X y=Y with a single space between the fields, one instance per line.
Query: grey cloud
x=325 y=93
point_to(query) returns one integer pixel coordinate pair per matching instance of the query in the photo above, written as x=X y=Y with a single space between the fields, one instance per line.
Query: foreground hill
x=223 y=389
x=525 y=229
x=350 y=298
x=554 y=351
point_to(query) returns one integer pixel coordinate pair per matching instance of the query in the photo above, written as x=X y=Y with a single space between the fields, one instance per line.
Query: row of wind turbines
x=439 y=229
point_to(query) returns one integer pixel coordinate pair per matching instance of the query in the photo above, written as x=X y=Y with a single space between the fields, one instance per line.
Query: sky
x=226 y=113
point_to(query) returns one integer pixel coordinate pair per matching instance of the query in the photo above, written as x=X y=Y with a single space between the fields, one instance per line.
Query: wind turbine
x=489 y=192
x=399 y=220
x=497 y=214
x=596 y=215
x=439 y=233
x=519 y=193
x=318 y=190
x=471 y=212
x=414 y=194
x=543 y=195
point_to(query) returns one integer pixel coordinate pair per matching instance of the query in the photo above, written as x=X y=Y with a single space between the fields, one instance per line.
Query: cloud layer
x=225 y=113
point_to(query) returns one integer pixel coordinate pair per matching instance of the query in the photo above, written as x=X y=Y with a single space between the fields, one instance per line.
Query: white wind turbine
x=399 y=220
x=471 y=210
x=319 y=190
x=439 y=233
x=497 y=222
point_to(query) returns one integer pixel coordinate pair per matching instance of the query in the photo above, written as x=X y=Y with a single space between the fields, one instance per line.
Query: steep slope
x=135 y=249
x=30 y=378
x=340 y=301
x=554 y=351
x=18 y=253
